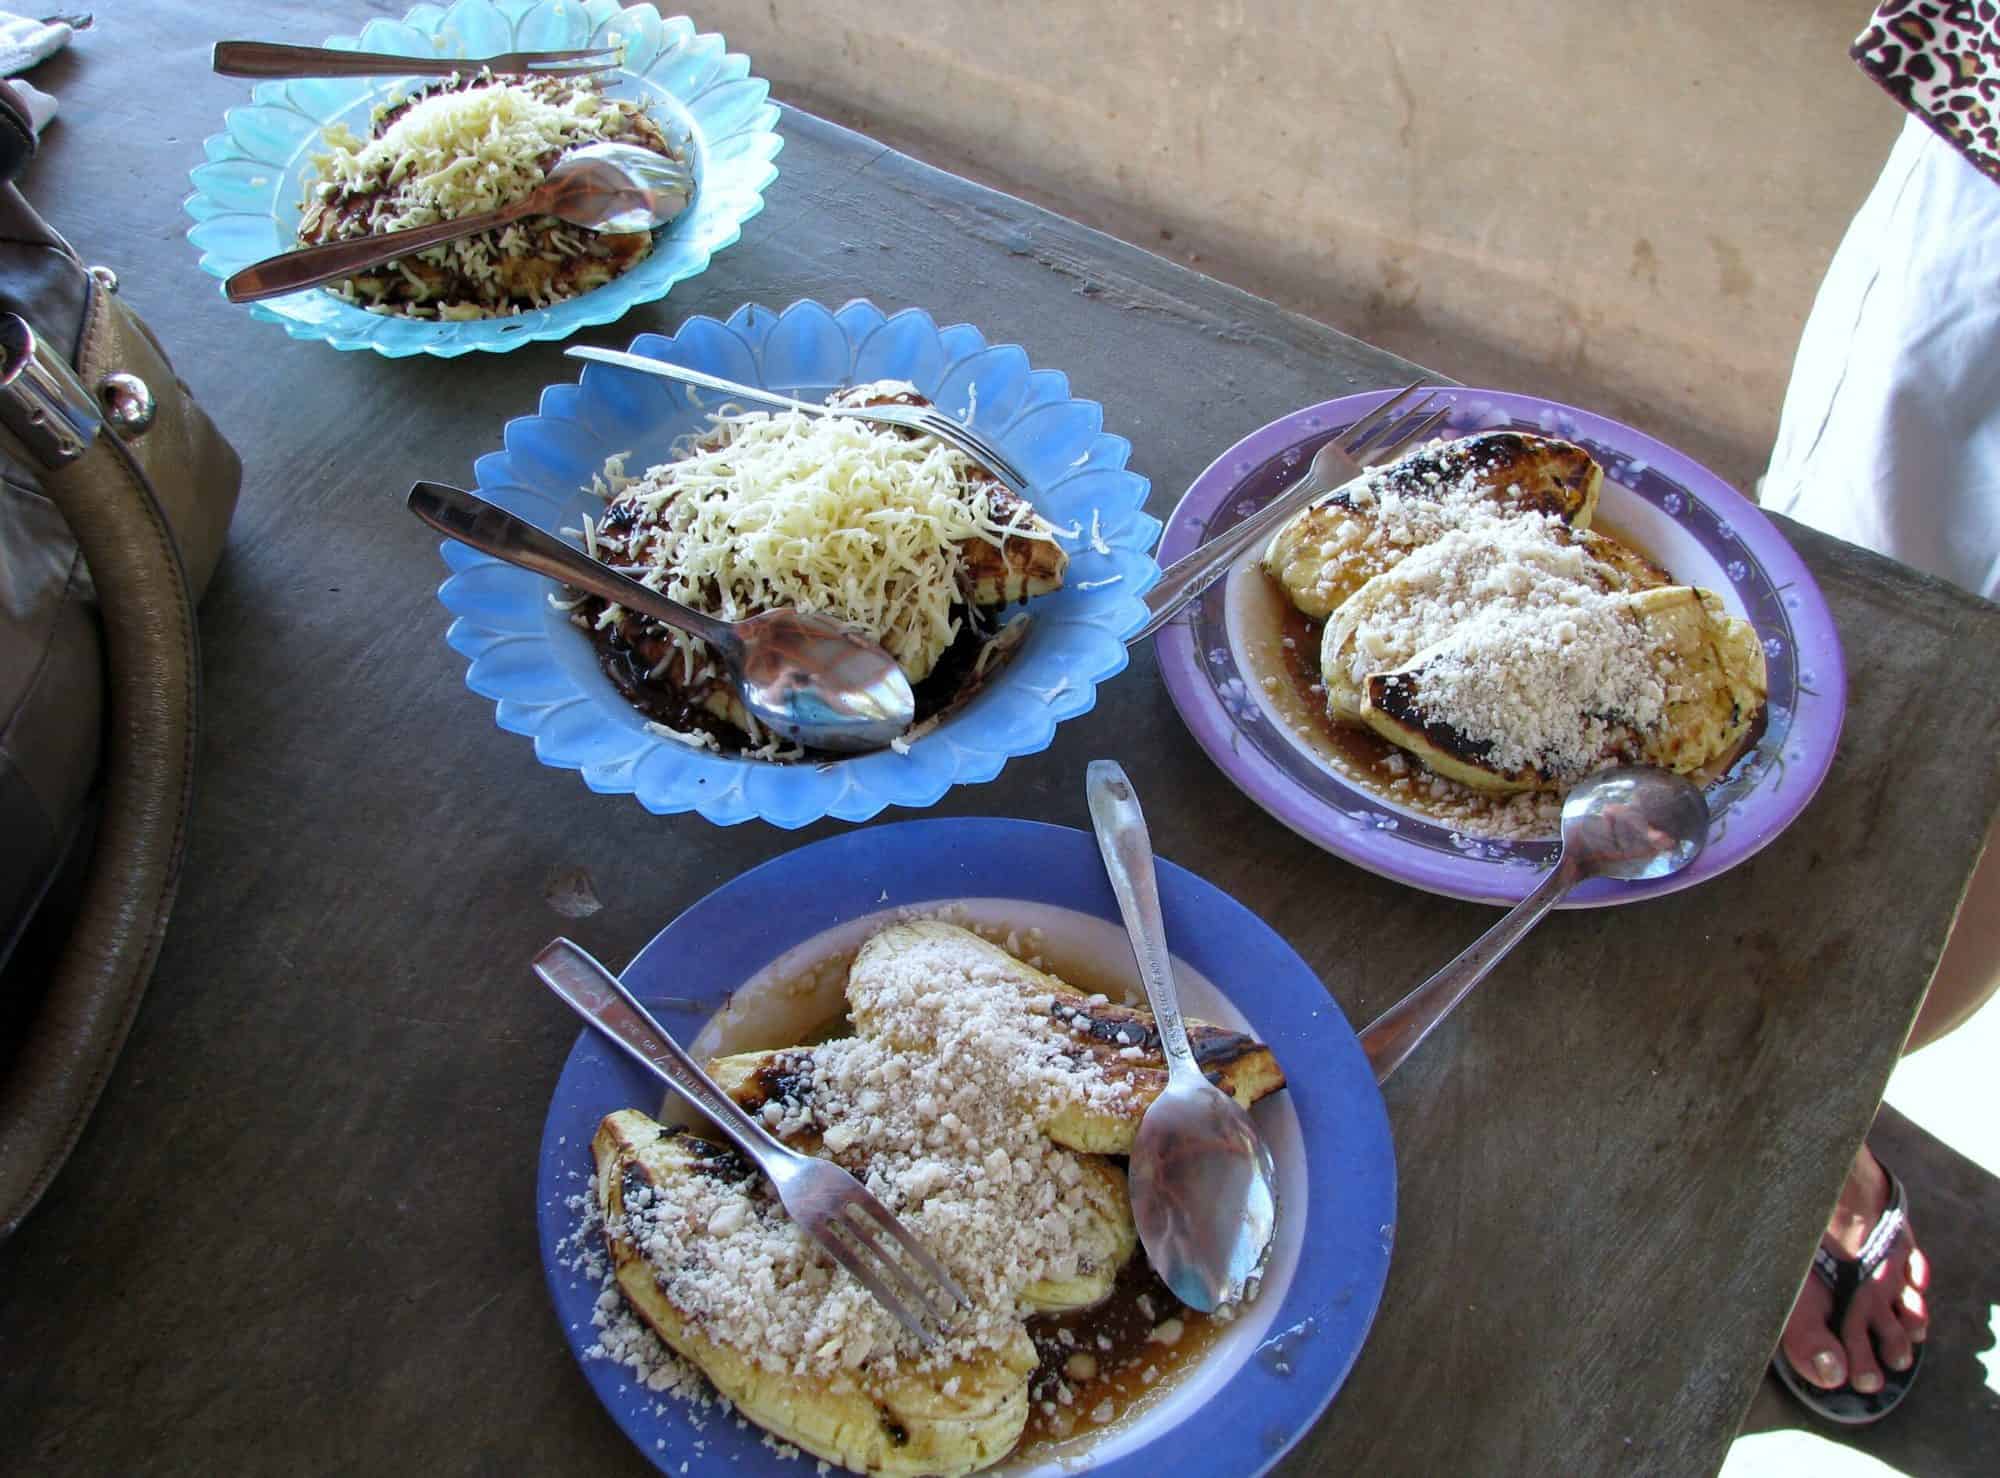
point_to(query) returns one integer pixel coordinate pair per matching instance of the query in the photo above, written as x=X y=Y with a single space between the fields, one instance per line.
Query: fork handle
x=687 y=376
x=596 y=995
x=1127 y=849
x=1190 y=575
x=275 y=59
x=930 y=422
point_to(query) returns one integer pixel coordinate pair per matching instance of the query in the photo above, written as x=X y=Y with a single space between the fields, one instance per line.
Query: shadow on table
x=1950 y=1423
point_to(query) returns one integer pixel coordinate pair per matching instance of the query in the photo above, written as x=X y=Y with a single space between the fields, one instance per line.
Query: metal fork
x=1373 y=439
x=925 y=419
x=830 y=1205
x=274 y=59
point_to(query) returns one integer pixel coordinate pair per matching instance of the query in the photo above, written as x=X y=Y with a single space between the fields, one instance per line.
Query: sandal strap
x=1845 y=1274
x=1888 y=1226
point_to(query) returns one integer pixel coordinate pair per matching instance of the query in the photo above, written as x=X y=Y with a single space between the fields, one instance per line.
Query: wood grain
x=299 y=1230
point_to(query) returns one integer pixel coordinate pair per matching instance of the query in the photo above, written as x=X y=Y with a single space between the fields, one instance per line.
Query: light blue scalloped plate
x=542 y=672
x=246 y=200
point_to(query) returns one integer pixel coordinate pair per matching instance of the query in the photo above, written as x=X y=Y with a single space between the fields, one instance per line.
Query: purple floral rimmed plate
x=1674 y=509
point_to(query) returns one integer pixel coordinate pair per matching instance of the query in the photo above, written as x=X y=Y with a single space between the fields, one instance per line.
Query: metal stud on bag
x=127 y=400
x=128 y=403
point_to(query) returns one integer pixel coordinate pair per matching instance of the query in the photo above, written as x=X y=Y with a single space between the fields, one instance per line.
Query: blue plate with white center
x=724 y=977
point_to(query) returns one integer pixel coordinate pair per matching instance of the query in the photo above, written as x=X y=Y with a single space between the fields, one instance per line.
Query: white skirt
x=1890 y=436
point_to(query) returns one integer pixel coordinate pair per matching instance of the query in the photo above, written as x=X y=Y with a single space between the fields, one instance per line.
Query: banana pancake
x=947 y=1102
x=1473 y=619
x=1340 y=543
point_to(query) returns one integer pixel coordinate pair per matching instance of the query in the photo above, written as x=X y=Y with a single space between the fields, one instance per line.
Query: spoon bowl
x=821 y=682
x=1204 y=1193
x=1634 y=823
x=617 y=188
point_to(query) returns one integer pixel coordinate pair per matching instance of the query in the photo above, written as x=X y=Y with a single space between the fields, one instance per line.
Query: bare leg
x=1970 y=968
x=1879 y=383
x=1888 y=1315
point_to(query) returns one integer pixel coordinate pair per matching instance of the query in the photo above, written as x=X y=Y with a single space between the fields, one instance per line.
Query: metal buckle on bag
x=41 y=399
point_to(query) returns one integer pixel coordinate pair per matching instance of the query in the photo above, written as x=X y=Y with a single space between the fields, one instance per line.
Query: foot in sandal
x=1851 y=1348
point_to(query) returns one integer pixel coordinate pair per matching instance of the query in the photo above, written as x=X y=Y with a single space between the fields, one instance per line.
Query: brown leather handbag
x=115 y=498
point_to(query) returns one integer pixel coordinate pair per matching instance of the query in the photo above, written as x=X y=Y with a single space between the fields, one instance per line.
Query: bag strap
x=17 y=133
x=152 y=657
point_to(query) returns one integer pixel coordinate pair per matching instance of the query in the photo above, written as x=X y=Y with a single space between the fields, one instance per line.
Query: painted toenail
x=1826 y=1365
x=1898 y=1361
x=1868 y=1382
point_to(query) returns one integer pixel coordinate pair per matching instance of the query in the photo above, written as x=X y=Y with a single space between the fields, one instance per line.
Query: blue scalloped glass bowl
x=542 y=672
x=246 y=200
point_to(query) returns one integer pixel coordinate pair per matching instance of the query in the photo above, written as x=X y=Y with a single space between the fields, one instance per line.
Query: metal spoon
x=1204 y=1190
x=600 y=187
x=1635 y=822
x=810 y=678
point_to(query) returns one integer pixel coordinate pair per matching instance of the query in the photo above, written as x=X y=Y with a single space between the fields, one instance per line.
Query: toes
x=1817 y=1360
x=1912 y=1310
x=1915 y=1314
x=1863 y=1373
x=1808 y=1344
x=1892 y=1340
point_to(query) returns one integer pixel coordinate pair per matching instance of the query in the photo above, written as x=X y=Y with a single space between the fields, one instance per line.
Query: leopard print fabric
x=1941 y=60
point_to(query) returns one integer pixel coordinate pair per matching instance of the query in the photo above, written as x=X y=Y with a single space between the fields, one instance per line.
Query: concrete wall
x=1625 y=204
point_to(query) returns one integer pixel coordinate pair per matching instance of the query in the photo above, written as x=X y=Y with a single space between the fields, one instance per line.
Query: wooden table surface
x=298 y=1234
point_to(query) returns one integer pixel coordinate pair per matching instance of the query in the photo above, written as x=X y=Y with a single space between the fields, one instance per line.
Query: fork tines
x=1408 y=431
x=1389 y=428
x=851 y=1236
x=589 y=61
x=1363 y=430
x=947 y=428
x=572 y=74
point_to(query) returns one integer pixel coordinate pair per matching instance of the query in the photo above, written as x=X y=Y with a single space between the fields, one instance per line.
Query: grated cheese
x=936 y=1105
x=826 y=514
x=692 y=738
x=459 y=153
x=1553 y=696
x=1097 y=544
x=474 y=144
x=1522 y=640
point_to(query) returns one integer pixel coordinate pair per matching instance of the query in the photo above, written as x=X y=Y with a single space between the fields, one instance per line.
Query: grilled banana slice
x=1104 y=1033
x=1105 y=1238
x=1015 y=569
x=1105 y=1241
x=1716 y=681
x=1625 y=568
x=1401 y=611
x=950 y=1421
x=1709 y=662
x=991 y=575
x=1239 y=1065
x=1339 y=544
